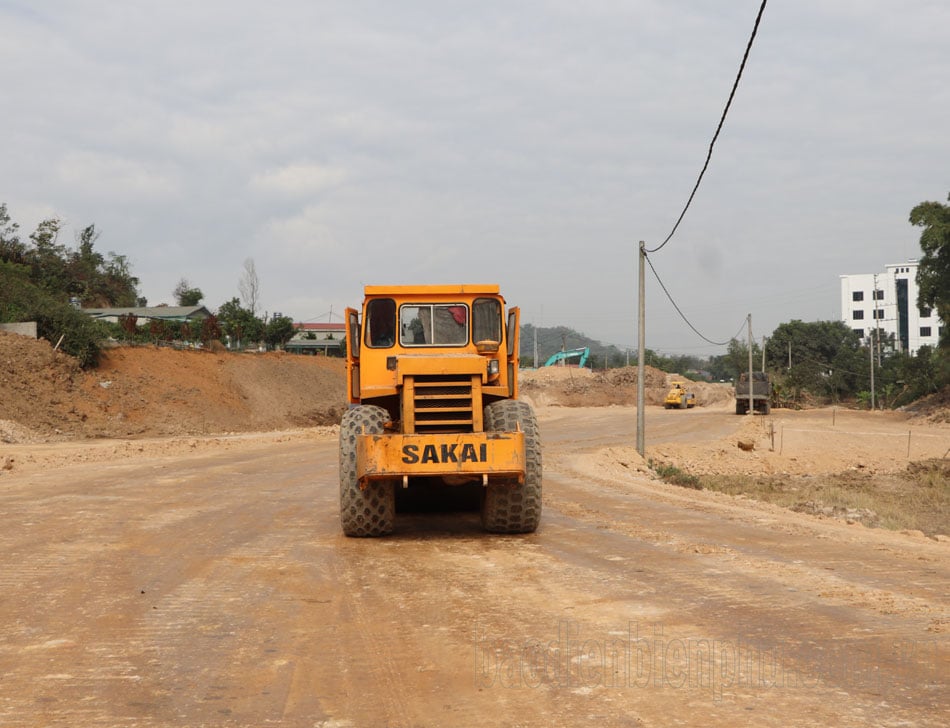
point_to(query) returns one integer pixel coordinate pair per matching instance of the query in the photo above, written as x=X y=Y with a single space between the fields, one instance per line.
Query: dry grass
x=917 y=498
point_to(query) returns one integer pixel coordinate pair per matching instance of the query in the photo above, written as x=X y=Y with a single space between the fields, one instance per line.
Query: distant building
x=313 y=338
x=887 y=302
x=147 y=313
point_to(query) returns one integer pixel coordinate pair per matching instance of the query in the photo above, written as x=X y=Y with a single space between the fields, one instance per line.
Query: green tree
x=933 y=271
x=819 y=357
x=736 y=358
x=279 y=331
x=933 y=274
x=84 y=270
x=97 y=280
x=57 y=322
x=48 y=258
x=186 y=294
x=720 y=368
x=12 y=249
x=81 y=273
x=237 y=322
x=121 y=286
x=908 y=377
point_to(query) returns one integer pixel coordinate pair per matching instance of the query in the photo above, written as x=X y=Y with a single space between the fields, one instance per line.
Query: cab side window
x=486 y=320
x=380 y=323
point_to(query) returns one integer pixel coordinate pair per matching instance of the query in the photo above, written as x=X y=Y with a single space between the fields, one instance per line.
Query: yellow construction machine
x=679 y=397
x=432 y=383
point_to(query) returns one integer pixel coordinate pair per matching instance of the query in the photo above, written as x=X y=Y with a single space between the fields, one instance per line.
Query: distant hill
x=559 y=338
x=607 y=356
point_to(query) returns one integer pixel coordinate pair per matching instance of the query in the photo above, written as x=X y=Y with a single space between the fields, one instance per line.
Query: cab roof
x=467 y=289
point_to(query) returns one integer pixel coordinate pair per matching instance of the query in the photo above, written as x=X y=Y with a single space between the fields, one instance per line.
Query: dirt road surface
x=208 y=584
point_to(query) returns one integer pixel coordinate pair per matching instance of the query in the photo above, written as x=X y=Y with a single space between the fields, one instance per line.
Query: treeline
x=45 y=280
x=827 y=362
x=39 y=276
x=817 y=361
x=814 y=362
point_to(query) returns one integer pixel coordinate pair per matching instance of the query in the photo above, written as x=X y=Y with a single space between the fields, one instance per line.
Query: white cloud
x=339 y=143
x=304 y=236
x=299 y=180
x=100 y=175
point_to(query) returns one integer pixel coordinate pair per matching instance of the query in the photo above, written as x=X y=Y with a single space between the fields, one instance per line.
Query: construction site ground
x=171 y=555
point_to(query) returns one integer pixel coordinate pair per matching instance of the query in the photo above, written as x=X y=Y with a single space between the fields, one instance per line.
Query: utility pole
x=751 y=382
x=877 y=321
x=764 y=339
x=789 y=354
x=641 y=358
x=535 y=328
x=871 y=353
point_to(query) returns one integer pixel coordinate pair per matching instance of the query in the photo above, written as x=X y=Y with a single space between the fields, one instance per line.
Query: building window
x=878 y=295
x=879 y=313
x=859 y=332
x=857 y=315
x=925 y=313
x=925 y=331
x=857 y=296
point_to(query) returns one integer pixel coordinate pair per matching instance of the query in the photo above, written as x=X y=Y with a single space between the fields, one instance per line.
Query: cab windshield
x=433 y=324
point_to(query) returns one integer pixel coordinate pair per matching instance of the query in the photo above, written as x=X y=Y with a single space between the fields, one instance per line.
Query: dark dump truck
x=761 y=399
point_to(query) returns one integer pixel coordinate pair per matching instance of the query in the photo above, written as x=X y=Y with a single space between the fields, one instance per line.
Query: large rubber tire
x=513 y=507
x=683 y=402
x=369 y=511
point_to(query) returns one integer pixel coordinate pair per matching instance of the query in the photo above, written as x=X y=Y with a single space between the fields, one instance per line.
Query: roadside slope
x=148 y=391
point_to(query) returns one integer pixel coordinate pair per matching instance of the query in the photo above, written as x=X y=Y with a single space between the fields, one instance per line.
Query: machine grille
x=444 y=403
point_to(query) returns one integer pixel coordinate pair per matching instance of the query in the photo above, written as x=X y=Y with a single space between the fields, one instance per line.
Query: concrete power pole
x=641 y=355
x=751 y=382
x=877 y=322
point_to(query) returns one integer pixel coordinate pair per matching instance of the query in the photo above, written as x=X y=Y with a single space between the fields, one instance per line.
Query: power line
x=829 y=367
x=682 y=315
x=722 y=120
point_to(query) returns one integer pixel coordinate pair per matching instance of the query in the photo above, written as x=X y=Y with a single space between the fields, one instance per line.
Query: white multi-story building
x=886 y=304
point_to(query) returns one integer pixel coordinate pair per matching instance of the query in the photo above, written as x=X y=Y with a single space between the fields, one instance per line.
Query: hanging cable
x=722 y=120
x=830 y=367
x=683 y=316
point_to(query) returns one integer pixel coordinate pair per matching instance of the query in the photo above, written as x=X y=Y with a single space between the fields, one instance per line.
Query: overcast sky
x=532 y=144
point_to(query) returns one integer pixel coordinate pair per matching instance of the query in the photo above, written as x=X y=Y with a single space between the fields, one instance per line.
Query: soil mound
x=149 y=391
x=574 y=387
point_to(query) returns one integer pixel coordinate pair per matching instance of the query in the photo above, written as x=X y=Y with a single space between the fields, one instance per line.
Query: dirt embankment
x=147 y=391
x=152 y=392
x=573 y=387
